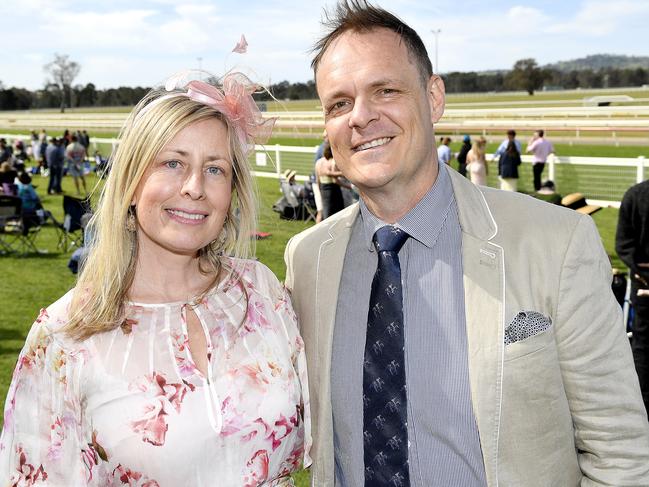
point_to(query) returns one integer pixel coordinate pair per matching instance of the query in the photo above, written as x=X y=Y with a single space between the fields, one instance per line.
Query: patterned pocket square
x=526 y=324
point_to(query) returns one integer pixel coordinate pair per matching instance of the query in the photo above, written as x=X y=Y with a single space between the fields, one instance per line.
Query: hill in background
x=597 y=62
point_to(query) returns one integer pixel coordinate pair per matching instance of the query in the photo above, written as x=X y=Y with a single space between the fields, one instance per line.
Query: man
x=456 y=400
x=75 y=154
x=511 y=137
x=632 y=245
x=540 y=148
x=444 y=151
x=54 y=159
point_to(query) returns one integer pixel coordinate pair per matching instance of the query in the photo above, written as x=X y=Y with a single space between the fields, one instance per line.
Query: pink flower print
x=292 y=463
x=257 y=469
x=42 y=316
x=150 y=483
x=282 y=429
x=26 y=475
x=153 y=425
x=132 y=478
x=256 y=315
x=180 y=343
x=91 y=455
x=127 y=325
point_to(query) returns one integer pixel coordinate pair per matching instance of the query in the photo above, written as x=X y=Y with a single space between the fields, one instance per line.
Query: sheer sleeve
x=42 y=440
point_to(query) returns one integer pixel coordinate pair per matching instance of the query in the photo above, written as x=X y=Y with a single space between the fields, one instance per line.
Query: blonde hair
x=479 y=147
x=102 y=288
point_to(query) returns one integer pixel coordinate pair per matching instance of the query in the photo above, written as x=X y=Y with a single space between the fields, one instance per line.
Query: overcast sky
x=141 y=42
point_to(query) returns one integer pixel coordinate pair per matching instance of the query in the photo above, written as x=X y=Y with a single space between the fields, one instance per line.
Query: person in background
x=75 y=155
x=477 y=162
x=540 y=148
x=30 y=202
x=55 y=161
x=327 y=175
x=461 y=156
x=511 y=137
x=176 y=360
x=632 y=246
x=444 y=151
x=508 y=163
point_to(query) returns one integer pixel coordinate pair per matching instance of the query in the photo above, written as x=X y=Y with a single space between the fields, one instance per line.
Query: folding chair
x=17 y=231
x=71 y=231
x=301 y=209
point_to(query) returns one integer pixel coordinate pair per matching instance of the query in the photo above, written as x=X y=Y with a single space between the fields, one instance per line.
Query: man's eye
x=339 y=105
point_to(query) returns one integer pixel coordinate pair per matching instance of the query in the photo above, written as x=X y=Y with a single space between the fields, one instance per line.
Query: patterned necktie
x=385 y=430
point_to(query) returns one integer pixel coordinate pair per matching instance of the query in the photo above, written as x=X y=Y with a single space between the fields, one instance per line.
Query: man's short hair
x=511 y=132
x=540 y=132
x=363 y=17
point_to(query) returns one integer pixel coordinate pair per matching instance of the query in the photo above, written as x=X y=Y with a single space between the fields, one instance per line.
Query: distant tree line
x=472 y=82
x=525 y=75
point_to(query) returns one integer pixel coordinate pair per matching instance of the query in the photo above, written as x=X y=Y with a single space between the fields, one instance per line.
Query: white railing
x=602 y=179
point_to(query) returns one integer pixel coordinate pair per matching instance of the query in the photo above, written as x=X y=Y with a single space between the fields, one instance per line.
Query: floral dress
x=129 y=407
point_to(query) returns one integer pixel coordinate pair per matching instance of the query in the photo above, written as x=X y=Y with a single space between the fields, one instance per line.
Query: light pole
x=436 y=34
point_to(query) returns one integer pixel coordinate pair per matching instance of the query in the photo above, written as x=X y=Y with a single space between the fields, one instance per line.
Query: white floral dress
x=129 y=407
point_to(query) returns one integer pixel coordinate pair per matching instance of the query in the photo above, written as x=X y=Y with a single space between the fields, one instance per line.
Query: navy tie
x=385 y=432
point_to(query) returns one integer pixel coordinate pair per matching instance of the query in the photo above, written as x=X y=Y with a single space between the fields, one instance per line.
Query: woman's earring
x=130 y=220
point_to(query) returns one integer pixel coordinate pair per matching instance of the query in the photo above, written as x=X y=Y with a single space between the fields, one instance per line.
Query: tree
x=63 y=71
x=526 y=75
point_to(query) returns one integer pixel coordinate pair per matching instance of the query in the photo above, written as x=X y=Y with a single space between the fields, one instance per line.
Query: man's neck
x=390 y=205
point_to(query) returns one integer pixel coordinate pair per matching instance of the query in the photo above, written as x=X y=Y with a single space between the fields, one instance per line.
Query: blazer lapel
x=484 y=291
x=331 y=257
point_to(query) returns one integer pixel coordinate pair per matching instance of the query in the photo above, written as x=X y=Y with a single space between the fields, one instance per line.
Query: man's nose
x=363 y=112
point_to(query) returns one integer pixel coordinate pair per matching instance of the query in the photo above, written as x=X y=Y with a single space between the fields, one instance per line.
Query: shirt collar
x=424 y=221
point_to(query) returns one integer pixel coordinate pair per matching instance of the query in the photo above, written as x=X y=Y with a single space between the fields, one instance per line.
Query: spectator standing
x=54 y=158
x=477 y=163
x=36 y=146
x=508 y=167
x=461 y=156
x=444 y=151
x=6 y=154
x=632 y=245
x=540 y=148
x=42 y=139
x=76 y=156
x=327 y=175
x=511 y=137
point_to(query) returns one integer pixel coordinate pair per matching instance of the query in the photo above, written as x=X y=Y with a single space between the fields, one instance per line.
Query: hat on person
x=577 y=202
x=289 y=174
x=467 y=138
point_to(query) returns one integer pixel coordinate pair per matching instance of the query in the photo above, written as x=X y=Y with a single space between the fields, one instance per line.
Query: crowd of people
x=453 y=334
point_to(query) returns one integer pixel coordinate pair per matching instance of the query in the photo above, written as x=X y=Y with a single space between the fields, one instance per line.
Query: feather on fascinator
x=233 y=98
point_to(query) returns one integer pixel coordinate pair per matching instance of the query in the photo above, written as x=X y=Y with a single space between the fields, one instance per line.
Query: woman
x=476 y=163
x=508 y=167
x=327 y=175
x=171 y=363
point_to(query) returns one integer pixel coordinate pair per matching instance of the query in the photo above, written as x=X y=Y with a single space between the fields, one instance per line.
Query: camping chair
x=71 y=231
x=17 y=231
x=297 y=208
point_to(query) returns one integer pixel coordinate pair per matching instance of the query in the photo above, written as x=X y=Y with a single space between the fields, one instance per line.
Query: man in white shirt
x=541 y=148
x=444 y=151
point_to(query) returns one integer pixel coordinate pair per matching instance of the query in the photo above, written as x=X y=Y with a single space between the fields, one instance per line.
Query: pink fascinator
x=234 y=100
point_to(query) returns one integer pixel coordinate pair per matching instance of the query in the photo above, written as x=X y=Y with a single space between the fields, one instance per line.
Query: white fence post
x=278 y=162
x=640 y=174
x=551 y=169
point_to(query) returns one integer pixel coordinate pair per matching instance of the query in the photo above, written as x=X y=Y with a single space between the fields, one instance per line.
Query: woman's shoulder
x=255 y=275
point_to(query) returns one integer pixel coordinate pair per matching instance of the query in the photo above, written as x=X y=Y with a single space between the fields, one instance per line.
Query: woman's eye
x=214 y=170
x=172 y=164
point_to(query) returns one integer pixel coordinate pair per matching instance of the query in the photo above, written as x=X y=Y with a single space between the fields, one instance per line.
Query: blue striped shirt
x=444 y=444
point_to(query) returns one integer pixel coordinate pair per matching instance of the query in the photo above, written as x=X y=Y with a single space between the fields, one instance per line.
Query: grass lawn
x=32 y=282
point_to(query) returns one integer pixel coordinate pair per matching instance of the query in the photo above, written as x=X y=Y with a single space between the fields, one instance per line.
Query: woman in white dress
x=476 y=163
x=175 y=360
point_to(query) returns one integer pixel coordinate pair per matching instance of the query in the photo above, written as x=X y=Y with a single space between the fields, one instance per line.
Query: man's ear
x=436 y=94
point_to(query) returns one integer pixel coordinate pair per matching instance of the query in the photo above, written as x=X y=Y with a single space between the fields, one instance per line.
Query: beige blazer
x=560 y=408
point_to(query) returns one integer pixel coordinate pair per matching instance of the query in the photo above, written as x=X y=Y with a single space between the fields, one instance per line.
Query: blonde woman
x=476 y=163
x=171 y=363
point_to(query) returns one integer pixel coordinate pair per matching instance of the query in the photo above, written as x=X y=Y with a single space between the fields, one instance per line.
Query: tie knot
x=389 y=239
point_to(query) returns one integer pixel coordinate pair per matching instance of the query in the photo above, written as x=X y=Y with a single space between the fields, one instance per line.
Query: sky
x=142 y=42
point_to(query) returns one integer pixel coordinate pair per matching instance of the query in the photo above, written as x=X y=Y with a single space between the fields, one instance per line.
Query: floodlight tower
x=436 y=33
